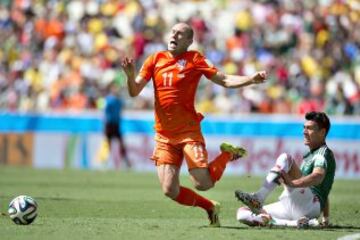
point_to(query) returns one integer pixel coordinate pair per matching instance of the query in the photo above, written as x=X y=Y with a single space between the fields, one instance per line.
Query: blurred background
x=59 y=57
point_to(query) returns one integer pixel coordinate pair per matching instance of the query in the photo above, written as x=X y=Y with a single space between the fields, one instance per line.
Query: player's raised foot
x=213 y=215
x=250 y=200
x=303 y=223
x=237 y=152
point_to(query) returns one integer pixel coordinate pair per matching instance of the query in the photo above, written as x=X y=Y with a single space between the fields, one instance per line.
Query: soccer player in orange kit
x=176 y=74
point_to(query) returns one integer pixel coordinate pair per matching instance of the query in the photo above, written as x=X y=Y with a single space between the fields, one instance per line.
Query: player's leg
x=246 y=216
x=266 y=216
x=255 y=200
x=304 y=203
x=168 y=159
x=228 y=153
x=111 y=132
x=196 y=158
x=284 y=162
x=278 y=210
x=271 y=215
x=297 y=207
x=284 y=213
x=204 y=175
x=274 y=214
x=169 y=180
x=108 y=134
x=123 y=150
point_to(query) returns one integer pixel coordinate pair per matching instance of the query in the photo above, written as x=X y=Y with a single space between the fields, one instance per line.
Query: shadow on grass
x=329 y=228
x=41 y=198
x=341 y=227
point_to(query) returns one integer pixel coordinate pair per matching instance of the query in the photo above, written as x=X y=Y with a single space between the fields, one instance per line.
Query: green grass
x=76 y=204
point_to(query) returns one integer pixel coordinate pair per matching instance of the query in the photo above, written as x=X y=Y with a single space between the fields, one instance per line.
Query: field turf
x=78 y=204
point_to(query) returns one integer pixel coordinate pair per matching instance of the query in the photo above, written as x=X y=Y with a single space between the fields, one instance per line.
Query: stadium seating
x=60 y=55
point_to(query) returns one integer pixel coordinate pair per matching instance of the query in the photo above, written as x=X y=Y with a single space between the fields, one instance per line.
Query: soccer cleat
x=237 y=152
x=213 y=215
x=303 y=223
x=250 y=200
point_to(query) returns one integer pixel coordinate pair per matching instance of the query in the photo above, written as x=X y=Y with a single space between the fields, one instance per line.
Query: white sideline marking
x=350 y=237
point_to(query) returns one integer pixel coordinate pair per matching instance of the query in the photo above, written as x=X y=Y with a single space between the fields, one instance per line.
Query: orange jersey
x=175 y=81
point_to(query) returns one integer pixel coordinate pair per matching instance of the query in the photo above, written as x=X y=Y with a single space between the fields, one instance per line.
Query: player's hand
x=128 y=66
x=259 y=77
x=325 y=222
x=287 y=179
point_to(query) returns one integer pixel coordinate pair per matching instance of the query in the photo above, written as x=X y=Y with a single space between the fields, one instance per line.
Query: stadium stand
x=61 y=55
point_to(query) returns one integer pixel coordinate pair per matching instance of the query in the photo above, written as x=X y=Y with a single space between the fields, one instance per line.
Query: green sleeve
x=320 y=161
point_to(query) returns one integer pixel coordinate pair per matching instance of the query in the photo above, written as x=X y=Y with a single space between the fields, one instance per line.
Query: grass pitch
x=76 y=204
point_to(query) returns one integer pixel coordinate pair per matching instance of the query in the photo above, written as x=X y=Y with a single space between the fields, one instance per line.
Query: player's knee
x=203 y=186
x=202 y=180
x=284 y=161
x=283 y=157
x=242 y=214
x=170 y=192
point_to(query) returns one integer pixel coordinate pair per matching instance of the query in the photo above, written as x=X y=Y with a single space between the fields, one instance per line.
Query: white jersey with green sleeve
x=322 y=157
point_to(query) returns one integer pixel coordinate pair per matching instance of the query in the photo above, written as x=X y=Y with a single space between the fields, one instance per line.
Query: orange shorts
x=194 y=153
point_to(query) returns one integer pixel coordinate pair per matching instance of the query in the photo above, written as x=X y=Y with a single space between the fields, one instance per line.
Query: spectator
x=45 y=43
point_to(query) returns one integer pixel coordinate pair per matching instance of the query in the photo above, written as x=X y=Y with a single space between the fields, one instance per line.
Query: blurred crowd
x=61 y=55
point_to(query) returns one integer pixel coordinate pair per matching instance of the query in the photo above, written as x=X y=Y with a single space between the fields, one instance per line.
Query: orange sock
x=218 y=165
x=188 y=197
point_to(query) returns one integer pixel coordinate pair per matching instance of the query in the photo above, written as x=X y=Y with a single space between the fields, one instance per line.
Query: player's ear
x=323 y=132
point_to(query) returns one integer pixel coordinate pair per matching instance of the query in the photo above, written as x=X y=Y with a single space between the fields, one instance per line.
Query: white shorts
x=295 y=203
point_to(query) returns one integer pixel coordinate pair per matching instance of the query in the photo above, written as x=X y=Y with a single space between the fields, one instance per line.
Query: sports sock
x=188 y=197
x=218 y=165
x=284 y=222
x=245 y=216
x=283 y=163
x=268 y=186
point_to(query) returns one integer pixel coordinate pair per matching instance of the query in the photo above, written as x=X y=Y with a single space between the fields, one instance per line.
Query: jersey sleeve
x=320 y=161
x=205 y=66
x=147 y=69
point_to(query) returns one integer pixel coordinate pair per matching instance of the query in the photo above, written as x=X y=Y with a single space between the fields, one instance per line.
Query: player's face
x=314 y=137
x=180 y=39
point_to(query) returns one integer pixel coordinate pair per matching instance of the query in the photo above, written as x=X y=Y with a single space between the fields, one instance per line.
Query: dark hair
x=321 y=119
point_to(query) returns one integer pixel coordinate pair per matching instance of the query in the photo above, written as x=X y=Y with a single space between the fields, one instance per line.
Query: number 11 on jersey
x=167 y=79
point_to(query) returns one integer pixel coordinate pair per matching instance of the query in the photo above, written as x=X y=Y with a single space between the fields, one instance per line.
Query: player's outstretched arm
x=135 y=85
x=236 y=81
